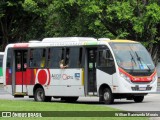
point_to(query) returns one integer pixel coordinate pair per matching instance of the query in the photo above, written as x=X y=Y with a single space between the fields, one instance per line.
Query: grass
x=11 y=105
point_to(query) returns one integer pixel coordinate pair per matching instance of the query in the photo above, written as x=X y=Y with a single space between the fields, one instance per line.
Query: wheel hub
x=106 y=96
x=40 y=96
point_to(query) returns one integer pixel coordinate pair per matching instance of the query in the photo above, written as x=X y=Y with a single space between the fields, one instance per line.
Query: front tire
x=39 y=96
x=138 y=99
x=108 y=96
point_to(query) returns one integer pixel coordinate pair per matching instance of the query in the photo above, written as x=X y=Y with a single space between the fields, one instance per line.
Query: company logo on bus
x=56 y=76
x=77 y=76
x=61 y=76
x=66 y=77
x=43 y=77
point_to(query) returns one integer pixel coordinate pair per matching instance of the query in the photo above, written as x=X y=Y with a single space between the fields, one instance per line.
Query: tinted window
x=9 y=58
x=75 y=58
x=37 y=57
x=105 y=58
x=55 y=55
x=72 y=57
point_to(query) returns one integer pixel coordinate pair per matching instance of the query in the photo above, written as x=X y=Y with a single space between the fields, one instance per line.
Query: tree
x=126 y=19
x=134 y=19
x=17 y=24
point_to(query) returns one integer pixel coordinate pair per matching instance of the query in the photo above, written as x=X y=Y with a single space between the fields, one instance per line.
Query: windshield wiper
x=140 y=60
x=132 y=59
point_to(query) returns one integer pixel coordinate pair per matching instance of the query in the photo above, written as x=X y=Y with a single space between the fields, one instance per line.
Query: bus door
x=20 y=61
x=90 y=71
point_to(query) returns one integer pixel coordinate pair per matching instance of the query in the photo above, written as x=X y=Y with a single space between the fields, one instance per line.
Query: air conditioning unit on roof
x=68 y=39
x=102 y=39
x=34 y=41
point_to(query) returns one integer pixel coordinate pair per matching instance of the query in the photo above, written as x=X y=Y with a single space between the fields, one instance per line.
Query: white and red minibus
x=109 y=69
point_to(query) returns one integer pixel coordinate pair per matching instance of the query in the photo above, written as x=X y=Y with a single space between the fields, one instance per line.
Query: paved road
x=2 y=90
x=151 y=102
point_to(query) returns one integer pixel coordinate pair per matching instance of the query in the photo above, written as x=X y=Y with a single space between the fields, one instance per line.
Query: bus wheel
x=40 y=96
x=108 y=96
x=138 y=98
x=70 y=99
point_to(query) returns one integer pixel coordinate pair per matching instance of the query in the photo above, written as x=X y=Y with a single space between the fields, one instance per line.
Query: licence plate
x=142 y=88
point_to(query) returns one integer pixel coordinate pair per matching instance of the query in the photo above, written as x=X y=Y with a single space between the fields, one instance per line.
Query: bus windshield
x=132 y=56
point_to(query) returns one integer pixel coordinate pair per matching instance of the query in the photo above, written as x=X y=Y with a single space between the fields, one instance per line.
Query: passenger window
x=1 y=60
x=67 y=56
x=37 y=58
x=9 y=58
x=56 y=55
x=72 y=57
x=49 y=56
x=43 y=58
x=75 y=58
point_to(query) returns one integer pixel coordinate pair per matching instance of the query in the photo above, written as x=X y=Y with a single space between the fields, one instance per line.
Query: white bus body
x=110 y=69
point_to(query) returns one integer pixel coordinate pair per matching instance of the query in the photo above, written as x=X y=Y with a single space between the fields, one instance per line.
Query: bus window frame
x=47 y=65
x=29 y=54
x=64 y=55
x=10 y=66
x=13 y=54
x=81 y=60
x=107 y=69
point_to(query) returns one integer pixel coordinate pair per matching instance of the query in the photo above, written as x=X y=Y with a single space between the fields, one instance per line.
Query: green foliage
x=30 y=5
x=153 y=14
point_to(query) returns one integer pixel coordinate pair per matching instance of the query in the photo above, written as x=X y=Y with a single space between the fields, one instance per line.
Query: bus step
x=19 y=94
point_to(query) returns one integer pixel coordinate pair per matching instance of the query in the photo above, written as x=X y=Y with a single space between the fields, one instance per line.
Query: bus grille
x=141 y=89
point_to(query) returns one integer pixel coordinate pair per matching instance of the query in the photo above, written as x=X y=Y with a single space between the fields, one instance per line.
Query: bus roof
x=83 y=39
x=68 y=39
x=123 y=41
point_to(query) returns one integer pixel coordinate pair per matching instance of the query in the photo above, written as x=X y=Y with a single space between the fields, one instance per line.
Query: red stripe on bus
x=28 y=77
x=138 y=78
x=21 y=45
x=31 y=76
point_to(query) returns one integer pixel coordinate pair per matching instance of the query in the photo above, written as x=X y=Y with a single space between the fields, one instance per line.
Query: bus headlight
x=125 y=77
